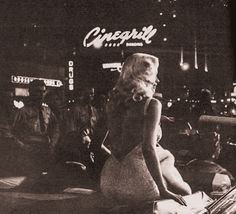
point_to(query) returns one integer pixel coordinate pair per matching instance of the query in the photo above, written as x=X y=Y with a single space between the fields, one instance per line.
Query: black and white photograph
x=117 y=107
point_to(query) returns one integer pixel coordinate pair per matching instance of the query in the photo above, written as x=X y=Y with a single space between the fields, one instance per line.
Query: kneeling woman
x=139 y=169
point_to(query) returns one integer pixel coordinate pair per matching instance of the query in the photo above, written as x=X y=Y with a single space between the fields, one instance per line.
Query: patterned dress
x=125 y=177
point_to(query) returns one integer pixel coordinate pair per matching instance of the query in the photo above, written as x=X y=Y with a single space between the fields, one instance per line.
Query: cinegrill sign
x=98 y=37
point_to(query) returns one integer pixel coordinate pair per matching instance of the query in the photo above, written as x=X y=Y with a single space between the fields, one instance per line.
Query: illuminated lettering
x=116 y=35
x=125 y=36
x=93 y=32
x=71 y=75
x=100 y=36
x=71 y=81
x=27 y=80
x=71 y=87
x=71 y=63
x=148 y=33
x=134 y=44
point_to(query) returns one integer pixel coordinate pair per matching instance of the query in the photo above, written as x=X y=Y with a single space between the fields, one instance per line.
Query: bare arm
x=151 y=127
x=150 y=134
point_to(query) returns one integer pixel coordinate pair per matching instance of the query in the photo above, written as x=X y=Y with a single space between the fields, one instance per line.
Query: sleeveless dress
x=128 y=180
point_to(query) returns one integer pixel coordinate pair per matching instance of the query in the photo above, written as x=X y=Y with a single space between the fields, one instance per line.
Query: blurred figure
x=84 y=139
x=9 y=145
x=101 y=128
x=181 y=108
x=176 y=132
x=65 y=120
x=6 y=105
x=101 y=140
x=101 y=104
x=36 y=127
x=63 y=114
x=90 y=125
x=204 y=106
x=85 y=116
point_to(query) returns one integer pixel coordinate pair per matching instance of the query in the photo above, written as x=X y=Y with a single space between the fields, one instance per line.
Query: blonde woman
x=139 y=169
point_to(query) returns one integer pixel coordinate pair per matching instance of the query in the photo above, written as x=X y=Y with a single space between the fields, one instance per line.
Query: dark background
x=51 y=32
x=233 y=31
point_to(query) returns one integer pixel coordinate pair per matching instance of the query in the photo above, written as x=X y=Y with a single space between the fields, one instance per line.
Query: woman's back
x=138 y=170
x=126 y=126
x=125 y=176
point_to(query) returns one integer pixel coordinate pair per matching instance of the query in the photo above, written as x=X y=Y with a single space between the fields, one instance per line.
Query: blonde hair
x=138 y=73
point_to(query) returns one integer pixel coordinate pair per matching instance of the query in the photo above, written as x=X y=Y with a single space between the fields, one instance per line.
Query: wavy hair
x=137 y=77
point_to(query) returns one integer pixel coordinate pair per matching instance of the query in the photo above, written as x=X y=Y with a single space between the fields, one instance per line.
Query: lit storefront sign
x=99 y=37
x=71 y=75
x=27 y=80
x=115 y=66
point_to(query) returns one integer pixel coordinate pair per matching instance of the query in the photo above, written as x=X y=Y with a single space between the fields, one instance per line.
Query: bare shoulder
x=155 y=103
x=154 y=107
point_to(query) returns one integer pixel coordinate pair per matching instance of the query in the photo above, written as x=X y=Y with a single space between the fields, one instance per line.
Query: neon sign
x=27 y=80
x=98 y=37
x=115 y=66
x=71 y=75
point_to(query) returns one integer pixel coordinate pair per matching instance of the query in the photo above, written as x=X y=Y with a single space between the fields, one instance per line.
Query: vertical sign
x=71 y=75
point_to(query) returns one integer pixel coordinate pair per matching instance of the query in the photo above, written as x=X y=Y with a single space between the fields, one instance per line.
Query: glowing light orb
x=185 y=66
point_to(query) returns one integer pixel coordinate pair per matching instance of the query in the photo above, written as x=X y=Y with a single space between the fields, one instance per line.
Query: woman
x=139 y=169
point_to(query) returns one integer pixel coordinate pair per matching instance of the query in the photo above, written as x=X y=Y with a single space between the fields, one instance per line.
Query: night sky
x=51 y=32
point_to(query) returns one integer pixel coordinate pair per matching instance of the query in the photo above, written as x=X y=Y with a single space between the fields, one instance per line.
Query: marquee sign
x=27 y=80
x=99 y=37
